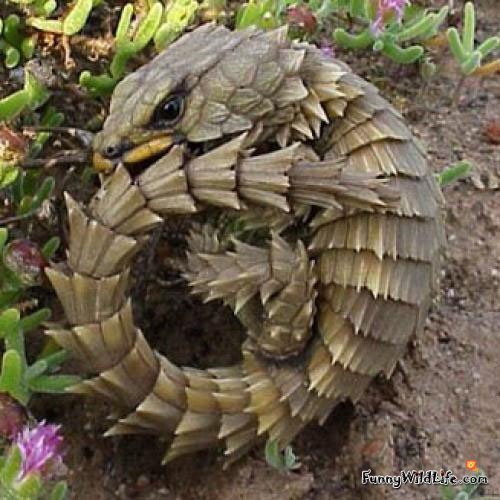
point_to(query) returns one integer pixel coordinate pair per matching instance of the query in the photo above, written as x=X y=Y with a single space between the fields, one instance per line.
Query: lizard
x=274 y=133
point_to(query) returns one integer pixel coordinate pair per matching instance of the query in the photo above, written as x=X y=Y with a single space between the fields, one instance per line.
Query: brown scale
x=285 y=139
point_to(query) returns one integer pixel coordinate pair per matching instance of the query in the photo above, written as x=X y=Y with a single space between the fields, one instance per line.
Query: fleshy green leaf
x=11 y=31
x=278 y=460
x=359 y=41
x=29 y=487
x=13 y=104
x=471 y=63
x=12 y=466
x=37 y=92
x=148 y=27
x=273 y=455
x=7 y=298
x=35 y=370
x=469 y=29
x=178 y=15
x=454 y=173
x=424 y=27
x=248 y=15
x=28 y=47
x=8 y=174
x=12 y=57
x=35 y=319
x=489 y=45
x=60 y=491
x=50 y=247
x=358 y=8
x=54 y=359
x=53 y=383
x=4 y=234
x=456 y=44
x=77 y=17
x=50 y=118
x=119 y=63
x=9 y=320
x=401 y=55
x=43 y=193
x=11 y=377
x=50 y=25
x=101 y=85
x=124 y=24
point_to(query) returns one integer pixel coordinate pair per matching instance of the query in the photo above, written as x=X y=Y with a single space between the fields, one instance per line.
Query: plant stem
x=65 y=158
x=16 y=218
x=458 y=90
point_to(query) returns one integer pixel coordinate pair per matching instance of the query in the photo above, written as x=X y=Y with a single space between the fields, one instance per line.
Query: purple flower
x=385 y=10
x=40 y=449
x=326 y=48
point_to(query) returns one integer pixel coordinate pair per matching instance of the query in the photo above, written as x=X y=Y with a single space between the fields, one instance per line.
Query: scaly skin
x=284 y=139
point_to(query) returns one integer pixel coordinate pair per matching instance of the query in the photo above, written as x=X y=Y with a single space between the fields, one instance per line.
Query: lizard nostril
x=112 y=151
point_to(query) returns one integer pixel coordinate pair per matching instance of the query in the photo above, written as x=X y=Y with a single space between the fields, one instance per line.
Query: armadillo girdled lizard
x=276 y=134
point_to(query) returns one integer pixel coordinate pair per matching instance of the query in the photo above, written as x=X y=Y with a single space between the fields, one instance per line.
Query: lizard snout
x=110 y=156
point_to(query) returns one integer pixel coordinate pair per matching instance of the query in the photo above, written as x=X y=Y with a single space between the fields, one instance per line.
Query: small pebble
x=142 y=481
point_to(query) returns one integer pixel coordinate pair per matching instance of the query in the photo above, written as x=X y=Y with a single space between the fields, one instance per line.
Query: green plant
x=390 y=32
x=8 y=174
x=390 y=29
x=263 y=14
x=27 y=194
x=30 y=97
x=13 y=43
x=398 y=29
x=72 y=23
x=37 y=7
x=127 y=45
x=25 y=190
x=13 y=149
x=30 y=463
x=393 y=30
x=50 y=118
x=468 y=56
x=453 y=173
x=177 y=16
x=211 y=10
x=284 y=461
x=19 y=379
x=20 y=268
x=467 y=492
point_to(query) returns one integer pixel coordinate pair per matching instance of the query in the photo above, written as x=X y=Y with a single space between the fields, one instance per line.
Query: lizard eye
x=168 y=111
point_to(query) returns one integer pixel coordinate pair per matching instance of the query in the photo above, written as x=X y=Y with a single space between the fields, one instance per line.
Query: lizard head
x=211 y=85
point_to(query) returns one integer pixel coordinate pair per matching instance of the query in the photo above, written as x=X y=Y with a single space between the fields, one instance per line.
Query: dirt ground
x=440 y=408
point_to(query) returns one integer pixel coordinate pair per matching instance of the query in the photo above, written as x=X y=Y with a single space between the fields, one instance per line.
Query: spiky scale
x=321 y=322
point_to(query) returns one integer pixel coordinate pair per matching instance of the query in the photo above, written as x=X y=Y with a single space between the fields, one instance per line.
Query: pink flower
x=25 y=258
x=40 y=449
x=385 y=10
x=302 y=16
x=326 y=48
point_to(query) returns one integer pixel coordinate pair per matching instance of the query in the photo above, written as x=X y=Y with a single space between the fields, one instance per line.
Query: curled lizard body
x=274 y=133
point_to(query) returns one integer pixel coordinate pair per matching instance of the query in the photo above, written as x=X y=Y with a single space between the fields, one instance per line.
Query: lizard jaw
x=139 y=155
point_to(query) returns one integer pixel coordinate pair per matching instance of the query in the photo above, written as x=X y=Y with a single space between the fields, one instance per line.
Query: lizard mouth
x=140 y=157
x=135 y=159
